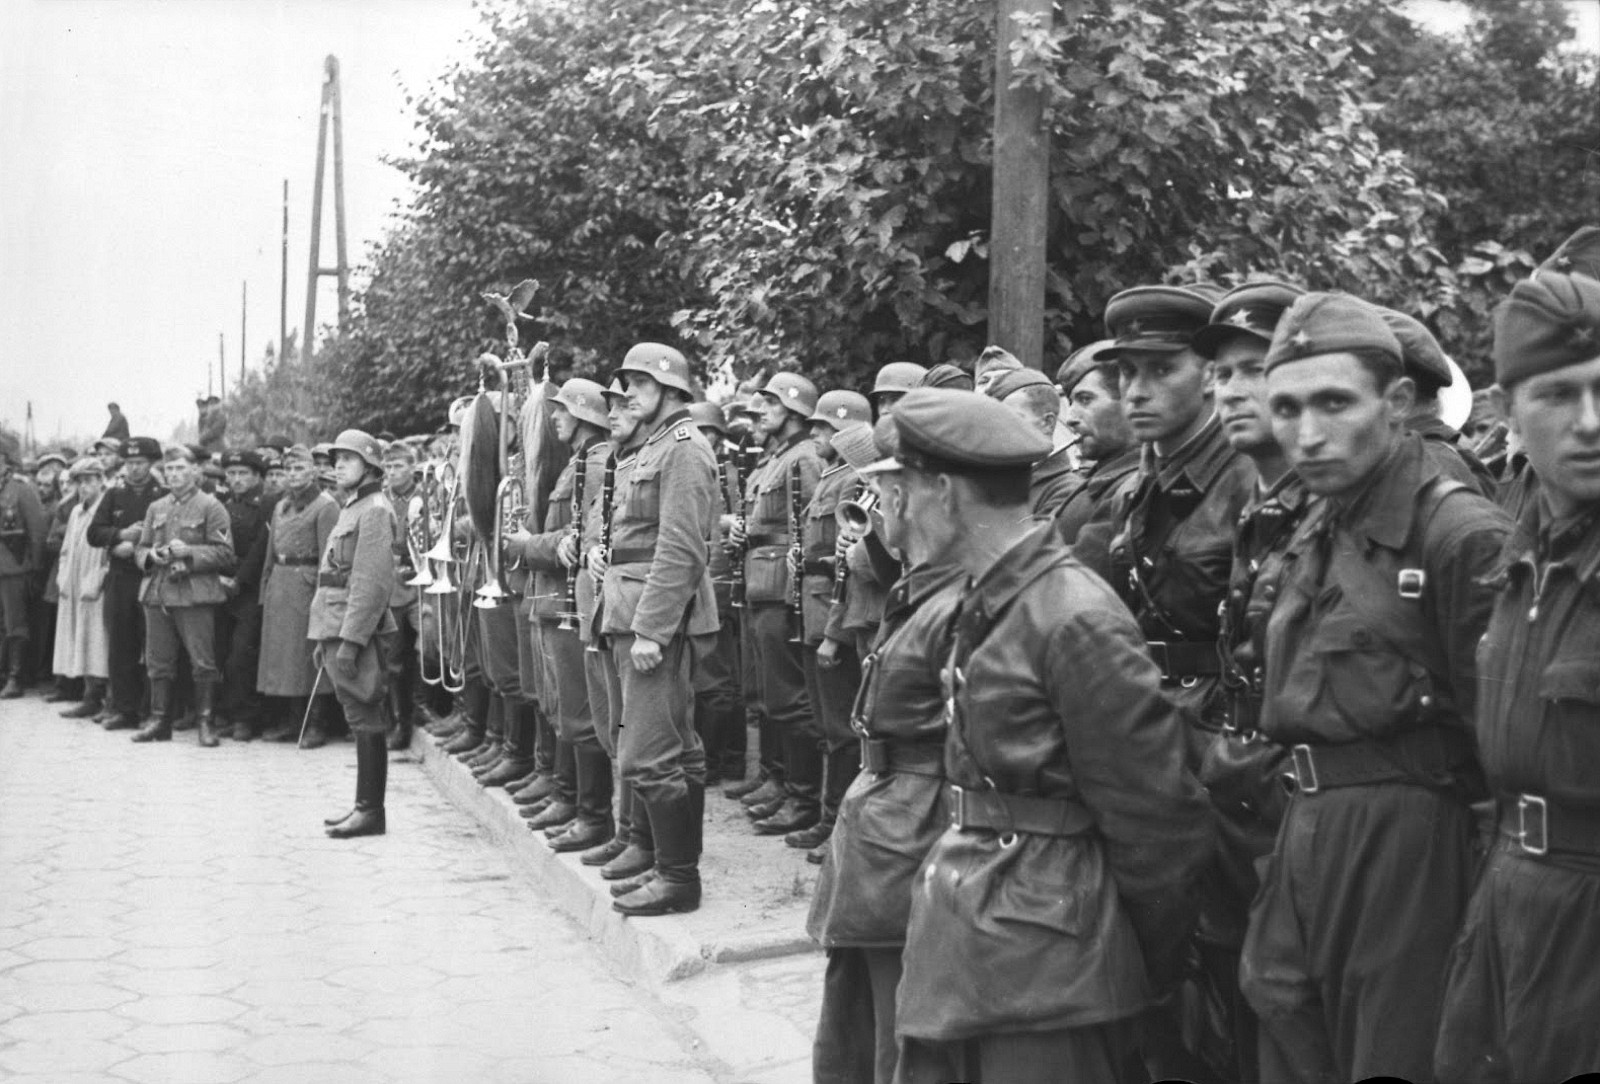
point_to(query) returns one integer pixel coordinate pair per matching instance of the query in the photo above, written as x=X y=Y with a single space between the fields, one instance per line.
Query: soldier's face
x=1556 y=416
x=109 y=461
x=644 y=395
x=299 y=473
x=241 y=480
x=138 y=469
x=48 y=474
x=888 y=400
x=564 y=423
x=822 y=436
x=623 y=422
x=1095 y=413
x=179 y=474
x=1240 y=377
x=397 y=473
x=932 y=522
x=1333 y=422
x=275 y=479
x=348 y=469
x=891 y=488
x=1163 y=393
x=774 y=416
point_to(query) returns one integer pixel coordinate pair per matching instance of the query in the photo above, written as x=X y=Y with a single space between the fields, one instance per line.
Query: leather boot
x=599 y=856
x=372 y=777
x=640 y=853
x=632 y=884
x=705 y=725
x=243 y=730
x=676 y=887
x=735 y=739
x=745 y=787
x=316 y=735
x=557 y=814
x=793 y=815
x=205 y=695
x=494 y=733
x=400 y=710
x=449 y=725
x=16 y=661
x=839 y=769
x=94 y=700
x=623 y=828
x=802 y=805
x=159 y=728
x=475 y=701
x=60 y=691
x=593 y=824
x=766 y=792
x=517 y=762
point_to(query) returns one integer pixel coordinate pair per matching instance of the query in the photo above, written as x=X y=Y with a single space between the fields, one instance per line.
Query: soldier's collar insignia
x=681 y=433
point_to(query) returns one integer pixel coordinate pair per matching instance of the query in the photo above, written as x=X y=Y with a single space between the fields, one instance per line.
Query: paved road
x=171 y=914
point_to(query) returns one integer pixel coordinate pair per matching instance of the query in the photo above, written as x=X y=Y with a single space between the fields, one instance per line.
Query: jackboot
x=401 y=704
x=205 y=695
x=593 y=823
x=745 y=787
x=557 y=814
x=839 y=769
x=676 y=886
x=706 y=726
x=16 y=663
x=623 y=828
x=735 y=737
x=536 y=790
x=802 y=805
x=494 y=733
x=632 y=884
x=765 y=792
x=475 y=702
x=517 y=761
x=765 y=809
x=372 y=777
x=120 y=720
x=640 y=853
x=449 y=725
x=243 y=730
x=599 y=856
x=159 y=728
x=94 y=700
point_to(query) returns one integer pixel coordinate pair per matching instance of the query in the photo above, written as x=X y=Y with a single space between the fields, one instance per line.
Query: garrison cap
x=398 y=451
x=142 y=448
x=1014 y=380
x=1420 y=353
x=842 y=409
x=709 y=415
x=945 y=375
x=886 y=446
x=244 y=459
x=52 y=456
x=1162 y=318
x=1578 y=254
x=995 y=358
x=297 y=453
x=1550 y=321
x=1083 y=361
x=1318 y=324
x=856 y=447
x=1253 y=309
x=897 y=377
x=966 y=431
x=85 y=466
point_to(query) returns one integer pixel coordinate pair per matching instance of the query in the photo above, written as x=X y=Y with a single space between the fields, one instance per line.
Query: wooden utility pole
x=283 y=282
x=222 y=370
x=330 y=111
x=1021 y=197
x=244 y=314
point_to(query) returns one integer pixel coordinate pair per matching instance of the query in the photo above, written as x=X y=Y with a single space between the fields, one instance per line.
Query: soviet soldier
x=1369 y=679
x=1521 y=996
x=659 y=607
x=22 y=534
x=1031 y=396
x=116 y=525
x=185 y=547
x=777 y=493
x=1093 y=411
x=352 y=625
x=1052 y=910
x=1429 y=370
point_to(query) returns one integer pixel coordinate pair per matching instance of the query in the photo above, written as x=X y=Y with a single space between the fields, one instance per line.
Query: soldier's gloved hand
x=567 y=551
x=646 y=654
x=344 y=660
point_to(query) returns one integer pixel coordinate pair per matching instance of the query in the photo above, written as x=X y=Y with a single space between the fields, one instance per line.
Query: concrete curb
x=663 y=949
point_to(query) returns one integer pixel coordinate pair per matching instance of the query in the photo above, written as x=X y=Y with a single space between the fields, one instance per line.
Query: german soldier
x=185 y=547
x=400 y=487
x=22 y=533
x=892 y=383
x=719 y=716
x=302 y=520
x=781 y=485
x=239 y=619
x=351 y=622
x=659 y=608
x=1521 y=999
x=1369 y=679
x=1051 y=912
x=116 y=526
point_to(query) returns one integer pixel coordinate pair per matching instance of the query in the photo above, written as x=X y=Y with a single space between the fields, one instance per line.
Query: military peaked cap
x=1253 y=309
x=1159 y=317
x=966 y=431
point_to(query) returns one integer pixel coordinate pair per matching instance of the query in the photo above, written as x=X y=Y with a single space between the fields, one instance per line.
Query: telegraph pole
x=330 y=112
x=283 y=282
x=1020 y=215
x=244 y=313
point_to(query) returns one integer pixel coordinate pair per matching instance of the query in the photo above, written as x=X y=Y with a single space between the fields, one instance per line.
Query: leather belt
x=1185 y=661
x=1528 y=820
x=882 y=755
x=299 y=560
x=633 y=555
x=333 y=579
x=818 y=566
x=990 y=810
x=1426 y=756
x=756 y=541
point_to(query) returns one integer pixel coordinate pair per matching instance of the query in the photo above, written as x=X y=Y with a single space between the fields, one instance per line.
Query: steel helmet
x=898 y=377
x=709 y=416
x=794 y=391
x=614 y=391
x=585 y=400
x=369 y=448
x=842 y=409
x=660 y=363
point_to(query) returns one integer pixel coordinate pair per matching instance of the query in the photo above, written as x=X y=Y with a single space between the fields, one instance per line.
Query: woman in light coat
x=81 y=647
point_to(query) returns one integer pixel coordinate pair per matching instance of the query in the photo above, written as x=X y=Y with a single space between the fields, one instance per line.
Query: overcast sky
x=145 y=145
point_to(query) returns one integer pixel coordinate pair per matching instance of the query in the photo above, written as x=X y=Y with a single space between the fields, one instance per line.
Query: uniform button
x=1269 y=592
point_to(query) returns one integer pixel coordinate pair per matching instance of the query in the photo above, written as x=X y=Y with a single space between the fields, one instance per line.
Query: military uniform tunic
x=1522 y=999
x=355 y=580
x=180 y=598
x=1099 y=483
x=123 y=506
x=23 y=526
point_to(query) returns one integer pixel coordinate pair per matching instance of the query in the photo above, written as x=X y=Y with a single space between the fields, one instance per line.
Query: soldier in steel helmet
x=891 y=384
x=22 y=534
x=352 y=624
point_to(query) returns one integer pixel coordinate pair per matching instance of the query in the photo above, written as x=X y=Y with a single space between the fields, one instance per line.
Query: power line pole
x=1020 y=215
x=330 y=111
x=283 y=282
x=222 y=371
x=244 y=314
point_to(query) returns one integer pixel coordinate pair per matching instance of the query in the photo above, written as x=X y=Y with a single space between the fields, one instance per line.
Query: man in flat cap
x=1369 y=679
x=22 y=534
x=1050 y=914
x=239 y=618
x=1522 y=998
x=1035 y=400
x=1428 y=368
x=115 y=527
x=1092 y=399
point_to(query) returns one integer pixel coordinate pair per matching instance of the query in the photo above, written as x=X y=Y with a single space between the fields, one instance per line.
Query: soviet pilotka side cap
x=1550 y=321
x=963 y=430
x=1420 y=353
x=1318 y=324
x=1009 y=383
x=1252 y=310
x=1158 y=318
x=1578 y=254
x=1083 y=361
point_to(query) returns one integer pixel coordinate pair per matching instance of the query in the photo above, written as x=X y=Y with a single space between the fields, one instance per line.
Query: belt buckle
x=1525 y=839
x=1304 y=767
x=874 y=756
x=1158 y=654
x=958 y=807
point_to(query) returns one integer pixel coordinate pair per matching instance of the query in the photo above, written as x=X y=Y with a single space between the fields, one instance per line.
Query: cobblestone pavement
x=172 y=914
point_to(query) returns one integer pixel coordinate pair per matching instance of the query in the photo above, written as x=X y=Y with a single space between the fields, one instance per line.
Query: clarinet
x=569 y=615
x=740 y=462
x=608 y=492
x=797 y=629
